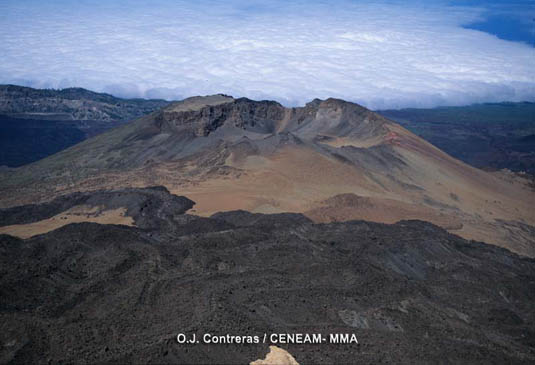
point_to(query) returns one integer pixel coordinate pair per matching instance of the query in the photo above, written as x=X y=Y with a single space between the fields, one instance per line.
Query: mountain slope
x=490 y=136
x=331 y=159
x=37 y=123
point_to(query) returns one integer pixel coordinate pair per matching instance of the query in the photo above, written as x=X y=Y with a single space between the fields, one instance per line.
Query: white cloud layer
x=381 y=54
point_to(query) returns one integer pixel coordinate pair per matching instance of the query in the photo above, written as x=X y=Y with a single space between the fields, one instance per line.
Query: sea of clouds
x=382 y=54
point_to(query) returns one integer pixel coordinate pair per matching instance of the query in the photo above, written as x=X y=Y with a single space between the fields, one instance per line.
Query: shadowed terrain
x=490 y=136
x=411 y=292
x=35 y=123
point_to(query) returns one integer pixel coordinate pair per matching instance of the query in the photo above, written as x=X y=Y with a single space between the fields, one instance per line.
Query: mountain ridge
x=71 y=104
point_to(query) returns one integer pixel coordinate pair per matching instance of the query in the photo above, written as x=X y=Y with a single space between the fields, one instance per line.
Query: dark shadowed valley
x=36 y=123
x=488 y=136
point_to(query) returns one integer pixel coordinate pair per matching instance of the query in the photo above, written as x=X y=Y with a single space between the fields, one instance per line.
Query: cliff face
x=329 y=118
x=261 y=117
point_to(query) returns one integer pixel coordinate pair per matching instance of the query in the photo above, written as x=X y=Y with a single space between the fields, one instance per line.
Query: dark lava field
x=411 y=292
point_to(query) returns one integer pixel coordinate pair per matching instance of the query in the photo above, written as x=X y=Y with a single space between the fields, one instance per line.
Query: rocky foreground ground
x=411 y=292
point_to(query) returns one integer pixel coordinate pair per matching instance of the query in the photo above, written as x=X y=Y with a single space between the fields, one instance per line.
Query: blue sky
x=383 y=54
